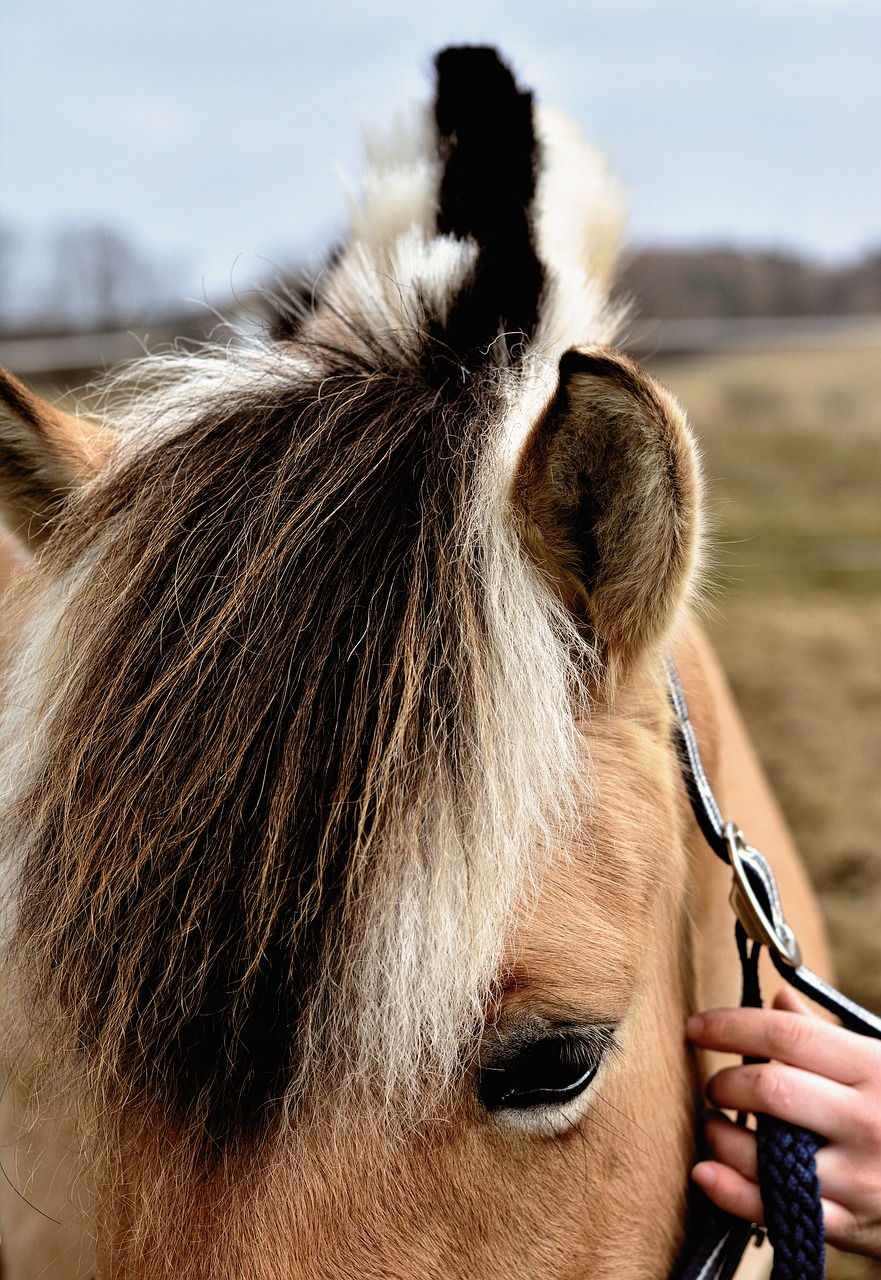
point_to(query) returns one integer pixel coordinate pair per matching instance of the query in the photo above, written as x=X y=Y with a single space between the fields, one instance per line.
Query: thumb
x=787 y=999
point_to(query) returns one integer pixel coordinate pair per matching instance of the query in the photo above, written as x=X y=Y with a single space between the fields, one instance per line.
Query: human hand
x=820 y=1077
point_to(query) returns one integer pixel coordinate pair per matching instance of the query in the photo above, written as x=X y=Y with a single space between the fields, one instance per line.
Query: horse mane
x=304 y=703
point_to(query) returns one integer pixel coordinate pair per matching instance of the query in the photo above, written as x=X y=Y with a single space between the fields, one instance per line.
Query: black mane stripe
x=489 y=149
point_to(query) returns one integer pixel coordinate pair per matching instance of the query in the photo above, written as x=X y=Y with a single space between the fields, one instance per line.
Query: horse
x=352 y=902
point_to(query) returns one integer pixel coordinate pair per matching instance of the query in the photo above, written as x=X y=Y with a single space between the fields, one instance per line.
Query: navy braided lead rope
x=791 y=1199
x=787 y=1157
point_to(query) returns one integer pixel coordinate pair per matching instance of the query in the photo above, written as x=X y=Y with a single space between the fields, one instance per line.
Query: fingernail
x=694 y=1027
x=704 y=1175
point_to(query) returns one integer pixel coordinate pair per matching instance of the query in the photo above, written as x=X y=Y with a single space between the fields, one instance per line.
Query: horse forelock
x=303 y=718
x=486 y=231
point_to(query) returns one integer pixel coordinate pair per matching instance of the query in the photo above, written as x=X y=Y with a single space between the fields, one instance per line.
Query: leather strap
x=852 y=1015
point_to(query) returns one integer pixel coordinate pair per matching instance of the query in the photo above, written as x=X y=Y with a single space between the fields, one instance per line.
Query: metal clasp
x=772 y=932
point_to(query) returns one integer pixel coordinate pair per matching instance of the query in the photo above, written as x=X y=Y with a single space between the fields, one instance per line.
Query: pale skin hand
x=820 y=1077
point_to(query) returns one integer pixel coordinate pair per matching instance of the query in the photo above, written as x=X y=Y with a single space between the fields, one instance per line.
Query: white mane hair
x=396 y=270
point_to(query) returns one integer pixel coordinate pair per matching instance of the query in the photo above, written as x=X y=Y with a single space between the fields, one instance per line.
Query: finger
x=840 y=1227
x=800 y=1097
x=858 y=1196
x=789 y=1037
x=850 y=1179
x=733 y=1145
x=789 y=999
x=730 y=1182
x=739 y=1196
x=729 y=1190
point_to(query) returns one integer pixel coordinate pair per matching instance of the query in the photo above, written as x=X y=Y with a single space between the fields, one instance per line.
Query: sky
x=215 y=133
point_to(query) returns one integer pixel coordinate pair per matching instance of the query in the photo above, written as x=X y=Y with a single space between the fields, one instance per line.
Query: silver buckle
x=773 y=933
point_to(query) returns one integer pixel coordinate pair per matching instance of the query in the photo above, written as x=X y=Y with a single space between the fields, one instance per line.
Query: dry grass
x=792 y=443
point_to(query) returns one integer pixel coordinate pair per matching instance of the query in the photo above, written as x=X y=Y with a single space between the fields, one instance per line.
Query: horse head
x=347 y=924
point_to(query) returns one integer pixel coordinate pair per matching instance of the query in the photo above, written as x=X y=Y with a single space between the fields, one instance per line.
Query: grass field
x=792 y=451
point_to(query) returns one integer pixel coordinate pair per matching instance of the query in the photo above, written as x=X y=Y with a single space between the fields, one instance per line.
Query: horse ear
x=45 y=455
x=607 y=492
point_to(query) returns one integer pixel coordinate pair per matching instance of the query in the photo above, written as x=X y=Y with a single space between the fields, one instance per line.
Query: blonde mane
x=307 y=715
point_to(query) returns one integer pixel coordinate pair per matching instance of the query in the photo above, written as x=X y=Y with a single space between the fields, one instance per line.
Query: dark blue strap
x=852 y=1015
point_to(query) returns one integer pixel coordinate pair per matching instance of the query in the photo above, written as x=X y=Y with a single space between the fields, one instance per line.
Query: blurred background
x=182 y=154
x=164 y=165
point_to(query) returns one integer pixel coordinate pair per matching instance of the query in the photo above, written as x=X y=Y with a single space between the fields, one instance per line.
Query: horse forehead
x=585 y=936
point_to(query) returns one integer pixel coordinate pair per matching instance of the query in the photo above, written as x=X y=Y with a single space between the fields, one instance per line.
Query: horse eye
x=544 y=1073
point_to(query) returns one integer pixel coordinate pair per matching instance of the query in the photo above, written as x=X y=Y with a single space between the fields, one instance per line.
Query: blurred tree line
x=697 y=283
x=92 y=277
x=82 y=277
